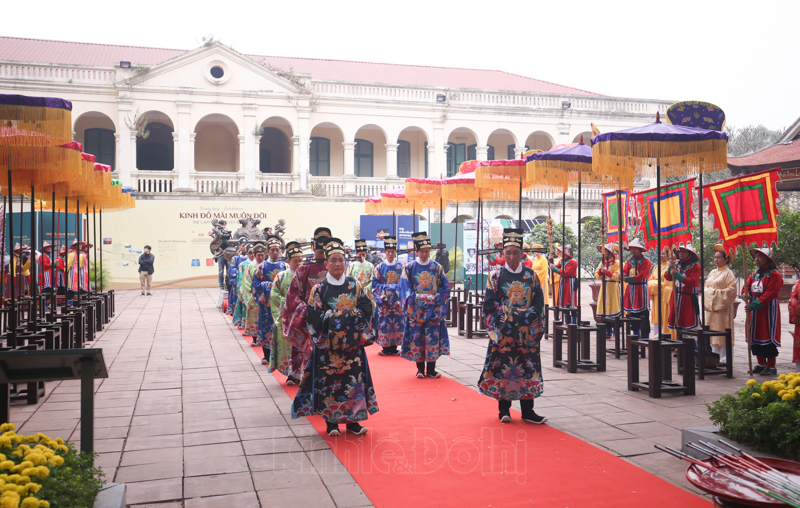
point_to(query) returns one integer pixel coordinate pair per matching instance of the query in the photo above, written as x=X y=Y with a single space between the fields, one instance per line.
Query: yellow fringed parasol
x=35 y=121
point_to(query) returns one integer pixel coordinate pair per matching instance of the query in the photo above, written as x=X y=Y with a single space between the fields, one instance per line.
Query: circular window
x=217 y=72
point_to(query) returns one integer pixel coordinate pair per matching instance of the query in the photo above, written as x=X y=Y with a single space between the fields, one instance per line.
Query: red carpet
x=435 y=442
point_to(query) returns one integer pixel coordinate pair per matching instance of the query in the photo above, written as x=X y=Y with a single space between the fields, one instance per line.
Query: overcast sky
x=738 y=55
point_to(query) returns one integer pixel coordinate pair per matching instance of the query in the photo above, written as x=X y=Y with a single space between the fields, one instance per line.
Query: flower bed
x=37 y=471
x=765 y=416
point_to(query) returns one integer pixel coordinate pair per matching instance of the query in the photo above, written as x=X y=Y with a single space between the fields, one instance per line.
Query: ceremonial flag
x=745 y=208
x=676 y=214
x=611 y=211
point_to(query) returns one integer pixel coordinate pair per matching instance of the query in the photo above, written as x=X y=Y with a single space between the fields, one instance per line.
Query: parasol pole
x=702 y=256
x=12 y=339
x=455 y=256
x=658 y=232
x=563 y=243
x=53 y=256
x=441 y=221
x=603 y=252
x=520 y=201
x=748 y=317
x=580 y=251
x=34 y=314
x=66 y=252
x=477 y=244
x=94 y=237
x=619 y=238
x=102 y=289
x=3 y=253
x=78 y=253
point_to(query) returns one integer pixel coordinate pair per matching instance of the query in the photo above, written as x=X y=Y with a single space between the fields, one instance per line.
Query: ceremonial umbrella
x=372 y=205
x=461 y=188
x=658 y=150
x=32 y=127
x=700 y=115
x=506 y=177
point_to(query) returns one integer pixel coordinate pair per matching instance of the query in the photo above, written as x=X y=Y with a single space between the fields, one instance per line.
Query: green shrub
x=764 y=416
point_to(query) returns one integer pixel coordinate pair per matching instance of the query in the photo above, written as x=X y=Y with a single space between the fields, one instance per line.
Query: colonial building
x=213 y=123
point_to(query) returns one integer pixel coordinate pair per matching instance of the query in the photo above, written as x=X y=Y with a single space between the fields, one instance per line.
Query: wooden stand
x=660 y=366
x=578 y=346
x=703 y=338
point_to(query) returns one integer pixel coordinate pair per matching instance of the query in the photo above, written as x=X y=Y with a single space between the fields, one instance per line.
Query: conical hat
x=636 y=244
x=767 y=252
x=690 y=248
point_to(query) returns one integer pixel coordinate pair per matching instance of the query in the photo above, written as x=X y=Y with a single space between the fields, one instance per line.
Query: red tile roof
x=105 y=55
x=775 y=154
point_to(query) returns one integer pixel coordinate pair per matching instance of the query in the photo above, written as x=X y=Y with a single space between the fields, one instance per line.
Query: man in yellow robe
x=608 y=303
x=666 y=295
x=540 y=266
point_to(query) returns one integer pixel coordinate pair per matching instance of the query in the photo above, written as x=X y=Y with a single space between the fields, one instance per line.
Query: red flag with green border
x=745 y=209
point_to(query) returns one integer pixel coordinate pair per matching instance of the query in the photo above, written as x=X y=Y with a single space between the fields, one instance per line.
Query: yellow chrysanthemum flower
x=59 y=441
x=9 y=500
x=42 y=472
x=756 y=395
x=6 y=464
x=751 y=382
x=33 y=487
x=57 y=460
x=7 y=426
x=44 y=504
x=63 y=448
x=30 y=502
x=8 y=487
x=782 y=377
x=781 y=393
x=23 y=480
x=786 y=397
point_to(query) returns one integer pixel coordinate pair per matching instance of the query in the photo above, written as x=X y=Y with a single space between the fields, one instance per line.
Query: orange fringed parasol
x=36 y=121
x=503 y=175
x=372 y=205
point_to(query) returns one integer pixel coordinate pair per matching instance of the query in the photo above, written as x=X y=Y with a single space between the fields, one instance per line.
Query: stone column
x=123 y=162
x=244 y=177
x=431 y=161
x=184 y=148
x=349 y=168
x=438 y=164
x=302 y=164
x=190 y=159
x=248 y=162
x=391 y=161
x=518 y=151
x=132 y=157
x=482 y=152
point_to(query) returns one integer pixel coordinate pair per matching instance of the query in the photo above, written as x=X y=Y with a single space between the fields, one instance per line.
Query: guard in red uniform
x=761 y=295
x=635 y=301
x=43 y=269
x=685 y=311
x=295 y=309
x=567 y=269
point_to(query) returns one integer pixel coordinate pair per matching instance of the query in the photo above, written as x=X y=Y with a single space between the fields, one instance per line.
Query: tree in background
x=456 y=259
x=750 y=138
x=539 y=235
x=789 y=238
x=591 y=235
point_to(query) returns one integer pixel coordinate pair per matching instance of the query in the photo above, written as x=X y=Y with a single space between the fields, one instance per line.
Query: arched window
x=456 y=154
x=320 y=156
x=101 y=143
x=155 y=152
x=363 y=158
x=403 y=159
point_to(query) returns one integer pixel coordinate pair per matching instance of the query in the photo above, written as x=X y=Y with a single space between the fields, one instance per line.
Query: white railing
x=207 y=182
x=154 y=182
x=336 y=186
x=58 y=74
x=492 y=98
x=275 y=183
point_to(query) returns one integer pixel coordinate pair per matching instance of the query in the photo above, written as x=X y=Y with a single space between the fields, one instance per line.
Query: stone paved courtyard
x=190 y=418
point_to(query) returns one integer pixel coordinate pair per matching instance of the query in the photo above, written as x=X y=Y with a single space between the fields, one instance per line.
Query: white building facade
x=223 y=125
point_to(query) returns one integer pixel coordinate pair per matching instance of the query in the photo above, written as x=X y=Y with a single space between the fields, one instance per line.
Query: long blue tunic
x=389 y=320
x=423 y=291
